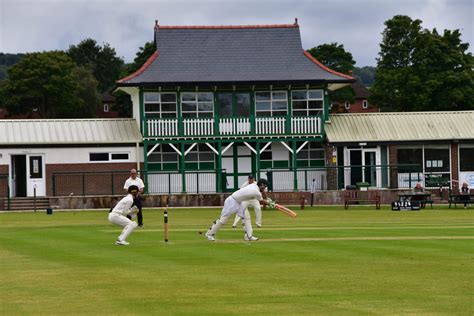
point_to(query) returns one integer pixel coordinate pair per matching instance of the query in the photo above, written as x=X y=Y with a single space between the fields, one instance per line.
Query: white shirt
x=124 y=205
x=246 y=183
x=137 y=181
x=250 y=192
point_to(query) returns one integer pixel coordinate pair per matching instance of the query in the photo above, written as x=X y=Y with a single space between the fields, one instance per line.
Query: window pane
x=192 y=156
x=316 y=154
x=263 y=106
x=299 y=105
x=154 y=157
x=170 y=114
x=152 y=107
x=206 y=114
x=205 y=96
x=279 y=105
x=264 y=113
x=279 y=113
x=151 y=96
x=168 y=97
x=188 y=96
x=437 y=159
x=99 y=156
x=279 y=95
x=205 y=106
x=189 y=114
x=466 y=159
x=315 y=112
x=298 y=95
x=410 y=156
x=243 y=104
x=315 y=104
x=302 y=155
x=119 y=156
x=168 y=107
x=225 y=104
x=152 y=115
x=315 y=94
x=206 y=157
x=299 y=113
x=262 y=96
x=170 y=157
x=188 y=106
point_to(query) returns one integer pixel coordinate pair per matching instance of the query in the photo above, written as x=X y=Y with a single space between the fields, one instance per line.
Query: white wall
x=69 y=155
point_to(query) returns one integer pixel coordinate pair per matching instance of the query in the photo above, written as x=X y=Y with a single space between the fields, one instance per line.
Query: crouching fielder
x=235 y=204
x=118 y=215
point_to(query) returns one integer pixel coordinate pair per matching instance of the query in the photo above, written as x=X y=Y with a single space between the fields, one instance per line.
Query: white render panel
x=279 y=152
x=69 y=155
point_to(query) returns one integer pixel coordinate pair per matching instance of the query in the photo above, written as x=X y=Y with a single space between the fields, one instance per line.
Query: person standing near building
x=255 y=204
x=135 y=180
x=118 y=215
x=313 y=190
x=464 y=189
x=234 y=204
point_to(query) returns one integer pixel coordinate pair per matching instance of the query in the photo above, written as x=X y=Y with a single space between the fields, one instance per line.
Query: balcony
x=226 y=127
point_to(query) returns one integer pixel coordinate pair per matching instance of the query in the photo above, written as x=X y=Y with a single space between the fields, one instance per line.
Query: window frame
x=365 y=104
x=271 y=100
x=198 y=113
x=308 y=99
x=160 y=103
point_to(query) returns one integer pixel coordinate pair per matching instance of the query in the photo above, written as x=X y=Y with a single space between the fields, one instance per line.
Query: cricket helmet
x=132 y=189
x=263 y=182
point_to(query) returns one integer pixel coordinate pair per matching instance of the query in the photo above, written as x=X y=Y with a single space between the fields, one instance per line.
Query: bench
x=460 y=199
x=361 y=197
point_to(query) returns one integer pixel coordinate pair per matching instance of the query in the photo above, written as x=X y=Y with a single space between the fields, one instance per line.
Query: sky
x=43 y=25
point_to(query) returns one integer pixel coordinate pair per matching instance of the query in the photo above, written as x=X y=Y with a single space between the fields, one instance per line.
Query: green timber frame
x=255 y=129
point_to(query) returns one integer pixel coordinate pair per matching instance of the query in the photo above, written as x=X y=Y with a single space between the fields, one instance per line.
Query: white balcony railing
x=232 y=126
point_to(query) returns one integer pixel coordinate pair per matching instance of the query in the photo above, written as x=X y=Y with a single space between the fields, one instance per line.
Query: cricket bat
x=285 y=210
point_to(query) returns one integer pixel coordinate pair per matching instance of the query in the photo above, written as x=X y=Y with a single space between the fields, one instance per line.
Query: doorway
x=362 y=164
x=27 y=175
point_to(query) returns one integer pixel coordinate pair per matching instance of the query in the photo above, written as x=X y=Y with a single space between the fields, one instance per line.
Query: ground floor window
x=164 y=157
x=311 y=155
x=201 y=157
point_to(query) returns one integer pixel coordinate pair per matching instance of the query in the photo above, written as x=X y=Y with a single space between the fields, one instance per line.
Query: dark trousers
x=138 y=203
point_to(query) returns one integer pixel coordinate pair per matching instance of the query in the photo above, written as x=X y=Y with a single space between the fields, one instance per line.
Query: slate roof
x=69 y=132
x=400 y=126
x=231 y=54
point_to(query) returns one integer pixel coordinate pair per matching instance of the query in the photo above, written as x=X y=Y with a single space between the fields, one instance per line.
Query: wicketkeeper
x=235 y=204
x=118 y=215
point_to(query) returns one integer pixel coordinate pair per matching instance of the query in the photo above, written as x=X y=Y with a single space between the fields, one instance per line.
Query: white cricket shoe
x=210 y=237
x=251 y=238
x=259 y=226
x=122 y=243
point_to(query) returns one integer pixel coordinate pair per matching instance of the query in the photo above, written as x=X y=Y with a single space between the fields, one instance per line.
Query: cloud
x=37 y=25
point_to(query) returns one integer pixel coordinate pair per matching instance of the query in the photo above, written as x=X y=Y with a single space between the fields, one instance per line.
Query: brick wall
x=99 y=183
x=393 y=160
x=331 y=172
x=454 y=165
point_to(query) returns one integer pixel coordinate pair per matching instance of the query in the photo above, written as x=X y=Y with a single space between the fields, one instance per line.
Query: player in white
x=235 y=204
x=118 y=215
x=134 y=180
x=255 y=204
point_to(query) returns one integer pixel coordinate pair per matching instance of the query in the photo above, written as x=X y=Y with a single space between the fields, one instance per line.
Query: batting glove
x=270 y=203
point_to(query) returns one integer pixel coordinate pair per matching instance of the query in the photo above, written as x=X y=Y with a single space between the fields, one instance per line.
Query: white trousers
x=120 y=220
x=231 y=207
x=255 y=204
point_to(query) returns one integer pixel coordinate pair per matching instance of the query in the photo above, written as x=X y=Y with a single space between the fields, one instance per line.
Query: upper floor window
x=307 y=102
x=106 y=107
x=347 y=105
x=197 y=104
x=271 y=103
x=160 y=104
x=365 y=104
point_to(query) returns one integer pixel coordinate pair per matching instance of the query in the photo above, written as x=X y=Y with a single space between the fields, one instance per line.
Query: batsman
x=235 y=204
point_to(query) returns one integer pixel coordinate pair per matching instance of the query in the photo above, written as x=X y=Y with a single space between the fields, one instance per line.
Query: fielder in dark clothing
x=137 y=201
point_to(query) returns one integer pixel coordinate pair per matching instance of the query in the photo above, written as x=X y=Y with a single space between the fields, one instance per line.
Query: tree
x=123 y=104
x=143 y=54
x=420 y=70
x=49 y=82
x=101 y=60
x=335 y=57
x=366 y=75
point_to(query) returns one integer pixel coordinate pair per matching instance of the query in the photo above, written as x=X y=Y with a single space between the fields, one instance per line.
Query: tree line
x=417 y=70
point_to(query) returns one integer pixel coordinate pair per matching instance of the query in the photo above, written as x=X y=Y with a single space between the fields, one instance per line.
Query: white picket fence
x=229 y=126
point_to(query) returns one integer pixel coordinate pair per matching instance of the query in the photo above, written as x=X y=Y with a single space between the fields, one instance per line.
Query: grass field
x=327 y=261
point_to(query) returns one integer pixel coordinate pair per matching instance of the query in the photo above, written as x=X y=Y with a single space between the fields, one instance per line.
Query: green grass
x=327 y=261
